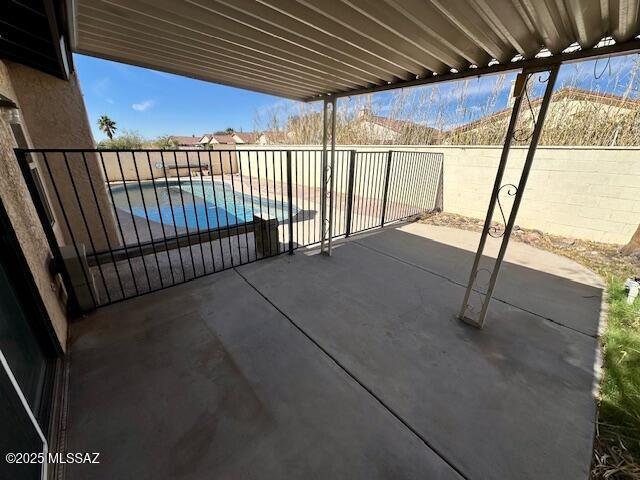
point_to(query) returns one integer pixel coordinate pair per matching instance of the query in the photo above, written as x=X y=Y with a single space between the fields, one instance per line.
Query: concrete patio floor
x=346 y=367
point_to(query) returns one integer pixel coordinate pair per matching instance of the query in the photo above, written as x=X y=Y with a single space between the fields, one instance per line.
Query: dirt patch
x=603 y=258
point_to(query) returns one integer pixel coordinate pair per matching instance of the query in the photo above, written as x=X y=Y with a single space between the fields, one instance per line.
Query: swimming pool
x=200 y=205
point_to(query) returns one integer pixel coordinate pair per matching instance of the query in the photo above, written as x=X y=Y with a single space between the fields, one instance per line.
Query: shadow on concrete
x=346 y=367
x=515 y=400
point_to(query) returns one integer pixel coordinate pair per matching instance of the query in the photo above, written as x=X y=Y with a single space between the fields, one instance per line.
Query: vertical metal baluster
x=68 y=224
x=345 y=187
x=411 y=182
x=290 y=201
x=195 y=212
x=104 y=229
x=416 y=182
x=226 y=206
x=380 y=180
x=425 y=181
x=162 y=225
x=367 y=194
x=275 y=173
x=355 y=215
x=297 y=201
x=308 y=209
x=146 y=216
x=403 y=183
x=266 y=180
x=124 y=240
x=369 y=190
x=371 y=182
x=244 y=206
x=393 y=189
x=410 y=176
x=349 y=207
x=336 y=200
x=422 y=185
x=215 y=206
x=282 y=198
x=86 y=225
x=253 y=208
x=256 y=225
x=184 y=212
x=206 y=211
x=275 y=197
x=374 y=189
x=133 y=221
x=438 y=174
x=173 y=218
x=428 y=178
x=235 y=208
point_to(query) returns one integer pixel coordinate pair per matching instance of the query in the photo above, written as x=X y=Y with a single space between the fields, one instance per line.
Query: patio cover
x=309 y=50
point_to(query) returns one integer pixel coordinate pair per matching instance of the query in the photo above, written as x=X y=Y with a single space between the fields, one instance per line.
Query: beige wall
x=17 y=201
x=590 y=193
x=54 y=114
x=147 y=163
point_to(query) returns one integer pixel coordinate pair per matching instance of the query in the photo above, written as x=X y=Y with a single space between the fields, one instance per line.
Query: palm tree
x=107 y=125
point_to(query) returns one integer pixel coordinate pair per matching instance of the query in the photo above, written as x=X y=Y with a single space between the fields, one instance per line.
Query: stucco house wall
x=54 y=114
x=24 y=218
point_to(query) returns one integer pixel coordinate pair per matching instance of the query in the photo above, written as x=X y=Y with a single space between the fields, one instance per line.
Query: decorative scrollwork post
x=468 y=313
x=328 y=163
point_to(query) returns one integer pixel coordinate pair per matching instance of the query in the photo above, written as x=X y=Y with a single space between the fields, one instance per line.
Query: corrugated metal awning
x=309 y=49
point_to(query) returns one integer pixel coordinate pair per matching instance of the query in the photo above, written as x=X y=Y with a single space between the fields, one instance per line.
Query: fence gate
x=122 y=223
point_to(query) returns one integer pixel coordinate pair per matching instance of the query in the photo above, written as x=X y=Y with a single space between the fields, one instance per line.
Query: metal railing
x=130 y=222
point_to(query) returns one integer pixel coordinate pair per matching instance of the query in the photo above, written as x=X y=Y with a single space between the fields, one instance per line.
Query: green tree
x=165 y=142
x=107 y=125
x=127 y=140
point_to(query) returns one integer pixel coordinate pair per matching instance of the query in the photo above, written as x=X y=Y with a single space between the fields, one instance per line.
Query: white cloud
x=142 y=106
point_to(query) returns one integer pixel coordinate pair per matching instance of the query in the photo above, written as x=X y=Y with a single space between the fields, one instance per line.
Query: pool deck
x=352 y=366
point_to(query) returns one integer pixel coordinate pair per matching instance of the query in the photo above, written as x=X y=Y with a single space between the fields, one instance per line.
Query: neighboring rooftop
x=183 y=140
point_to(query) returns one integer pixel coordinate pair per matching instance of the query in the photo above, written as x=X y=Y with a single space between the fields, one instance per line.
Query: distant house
x=245 y=137
x=227 y=138
x=272 y=138
x=182 y=142
x=572 y=114
x=383 y=130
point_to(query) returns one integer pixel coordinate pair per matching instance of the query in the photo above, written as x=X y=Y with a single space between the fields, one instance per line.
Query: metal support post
x=290 y=201
x=512 y=190
x=331 y=177
x=323 y=188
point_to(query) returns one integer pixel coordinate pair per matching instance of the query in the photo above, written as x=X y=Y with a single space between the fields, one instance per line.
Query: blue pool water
x=209 y=204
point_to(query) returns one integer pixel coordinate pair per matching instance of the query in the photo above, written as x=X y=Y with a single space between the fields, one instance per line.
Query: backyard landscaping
x=617 y=445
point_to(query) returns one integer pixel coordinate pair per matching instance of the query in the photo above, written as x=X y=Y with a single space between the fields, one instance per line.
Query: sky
x=155 y=103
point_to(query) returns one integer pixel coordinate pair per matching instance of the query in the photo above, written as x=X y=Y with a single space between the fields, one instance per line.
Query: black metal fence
x=128 y=222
